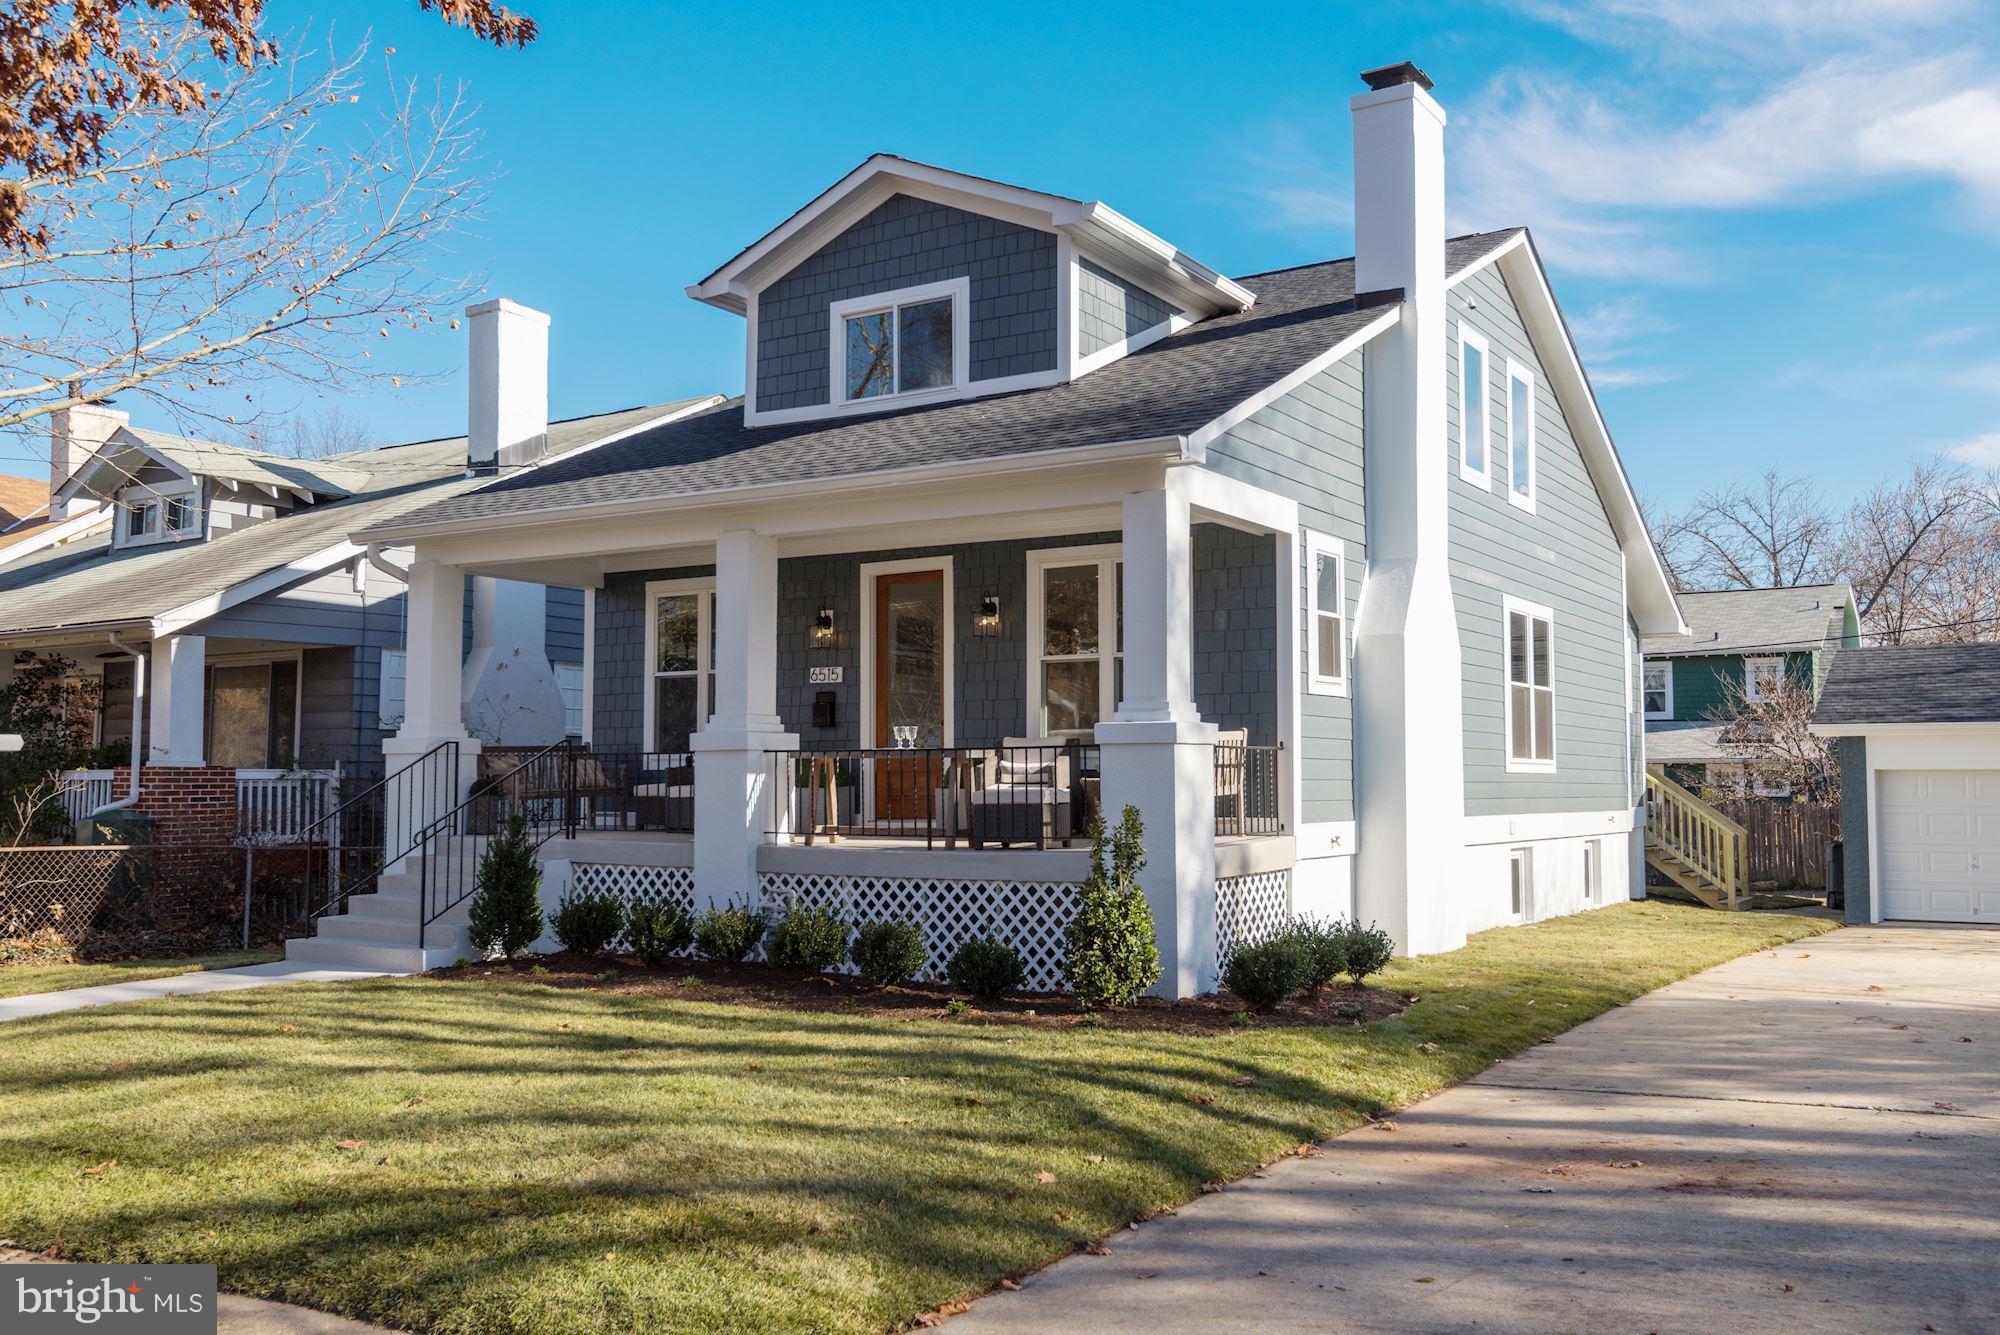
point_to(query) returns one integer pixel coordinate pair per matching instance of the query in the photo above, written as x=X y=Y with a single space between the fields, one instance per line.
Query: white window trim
x=1750 y=666
x=157 y=496
x=297 y=658
x=1519 y=374
x=869 y=573
x=1509 y=605
x=1525 y=859
x=576 y=669
x=400 y=657
x=1645 y=666
x=1481 y=478
x=703 y=668
x=960 y=292
x=1318 y=682
x=1105 y=557
x=1593 y=860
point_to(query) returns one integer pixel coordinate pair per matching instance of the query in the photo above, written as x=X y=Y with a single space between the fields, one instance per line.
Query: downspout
x=400 y=574
x=138 y=721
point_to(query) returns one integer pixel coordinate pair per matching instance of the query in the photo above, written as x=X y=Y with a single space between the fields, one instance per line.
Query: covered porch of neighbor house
x=912 y=700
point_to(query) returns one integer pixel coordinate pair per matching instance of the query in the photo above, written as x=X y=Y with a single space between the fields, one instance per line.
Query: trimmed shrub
x=888 y=953
x=506 y=909
x=1369 y=951
x=728 y=935
x=1266 y=972
x=808 y=939
x=589 y=923
x=1324 y=945
x=1111 y=957
x=985 y=968
x=656 y=933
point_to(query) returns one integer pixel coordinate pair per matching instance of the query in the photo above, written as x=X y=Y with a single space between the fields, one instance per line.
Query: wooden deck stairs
x=1695 y=846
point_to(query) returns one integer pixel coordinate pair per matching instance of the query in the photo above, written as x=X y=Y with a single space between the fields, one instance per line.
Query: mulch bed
x=1343 y=1004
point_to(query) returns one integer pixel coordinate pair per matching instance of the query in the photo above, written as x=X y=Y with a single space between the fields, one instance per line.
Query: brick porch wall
x=193 y=804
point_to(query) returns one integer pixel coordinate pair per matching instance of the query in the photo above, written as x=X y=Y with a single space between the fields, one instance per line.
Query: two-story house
x=1742 y=647
x=241 y=644
x=1024 y=514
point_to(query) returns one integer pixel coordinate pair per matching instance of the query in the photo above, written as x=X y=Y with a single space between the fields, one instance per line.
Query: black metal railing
x=540 y=786
x=1246 y=790
x=1038 y=794
x=348 y=846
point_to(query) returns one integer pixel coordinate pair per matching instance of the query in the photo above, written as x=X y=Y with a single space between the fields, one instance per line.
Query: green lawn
x=511 y=1157
x=19 y=980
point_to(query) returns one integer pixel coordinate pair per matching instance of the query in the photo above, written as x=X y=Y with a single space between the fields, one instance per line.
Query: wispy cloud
x=1981 y=379
x=1615 y=338
x=1747 y=29
x=1950 y=337
x=1981 y=450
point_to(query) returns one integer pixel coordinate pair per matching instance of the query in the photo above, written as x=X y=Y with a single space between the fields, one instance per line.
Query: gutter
x=401 y=574
x=138 y=725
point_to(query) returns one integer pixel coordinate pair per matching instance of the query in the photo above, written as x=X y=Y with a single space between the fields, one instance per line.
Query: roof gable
x=118 y=462
x=1737 y=621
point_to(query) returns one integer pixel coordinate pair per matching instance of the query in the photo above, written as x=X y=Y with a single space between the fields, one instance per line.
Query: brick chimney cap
x=1389 y=76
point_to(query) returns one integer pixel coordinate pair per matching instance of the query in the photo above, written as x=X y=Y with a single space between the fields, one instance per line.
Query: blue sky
x=1775 y=234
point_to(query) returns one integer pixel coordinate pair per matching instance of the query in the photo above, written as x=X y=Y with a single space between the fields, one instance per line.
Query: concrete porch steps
x=380 y=930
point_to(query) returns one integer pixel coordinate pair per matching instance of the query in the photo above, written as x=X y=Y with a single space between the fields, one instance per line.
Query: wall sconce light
x=822 y=632
x=986 y=621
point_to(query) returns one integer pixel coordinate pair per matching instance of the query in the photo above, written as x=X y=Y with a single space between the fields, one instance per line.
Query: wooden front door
x=910 y=635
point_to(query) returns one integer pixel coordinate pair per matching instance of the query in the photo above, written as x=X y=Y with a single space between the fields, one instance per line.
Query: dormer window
x=160 y=512
x=142 y=519
x=909 y=343
x=180 y=515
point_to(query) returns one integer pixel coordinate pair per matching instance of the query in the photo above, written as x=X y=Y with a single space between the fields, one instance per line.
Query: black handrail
x=442 y=880
x=340 y=842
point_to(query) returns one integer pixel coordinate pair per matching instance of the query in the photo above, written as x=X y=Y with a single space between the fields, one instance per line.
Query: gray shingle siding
x=1110 y=310
x=1308 y=446
x=1853 y=754
x=1564 y=556
x=1234 y=649
x=563 y=625
x=903 y=243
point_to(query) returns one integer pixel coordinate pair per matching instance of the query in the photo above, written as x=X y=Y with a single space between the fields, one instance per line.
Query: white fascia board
x=269 y=581
x=1113 y=231
x=100 y=458
x=1201 y=437
x=1649 y=591
x=56 y=534
x=1171 y=449
x=1906 y=729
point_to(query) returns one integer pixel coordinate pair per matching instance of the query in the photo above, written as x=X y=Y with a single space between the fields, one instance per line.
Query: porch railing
x=545 y=788
x=1246 y=790
x=610 y=790
x=948 y=796
x=350 y=845
x=84 y=791
x=275 y=806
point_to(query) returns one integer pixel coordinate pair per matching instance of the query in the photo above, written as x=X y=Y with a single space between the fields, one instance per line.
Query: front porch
x=914 y=706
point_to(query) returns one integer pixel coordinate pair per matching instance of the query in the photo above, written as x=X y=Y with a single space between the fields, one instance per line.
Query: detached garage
x=1918 y=734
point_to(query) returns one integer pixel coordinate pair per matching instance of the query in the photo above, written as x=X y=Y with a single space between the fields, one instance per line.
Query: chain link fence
x=58 y=889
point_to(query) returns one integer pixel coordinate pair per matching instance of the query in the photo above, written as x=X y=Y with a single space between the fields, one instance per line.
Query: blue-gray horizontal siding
x=1308 y=446
x=1110 y=310
x=1564 y=556
x=904 y=243
x=563 y=625
x=1235 y=639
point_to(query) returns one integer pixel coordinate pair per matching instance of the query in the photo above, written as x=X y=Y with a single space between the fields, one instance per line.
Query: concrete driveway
x=1804 y=1139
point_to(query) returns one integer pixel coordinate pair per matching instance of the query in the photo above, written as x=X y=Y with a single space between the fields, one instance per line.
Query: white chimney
x=74 y=435
x=1398 y=185
x=507 y=375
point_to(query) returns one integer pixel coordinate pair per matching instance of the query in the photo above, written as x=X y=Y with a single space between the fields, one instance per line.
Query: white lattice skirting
x=660 y=887
x=1251 y=908
x=1027 y=915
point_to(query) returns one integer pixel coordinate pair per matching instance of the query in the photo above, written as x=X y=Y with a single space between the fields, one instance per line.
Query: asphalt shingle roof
x=88 y=584
x=1932 y=683
x=1727 y=621
x=1173 y=387
x=1686 y=743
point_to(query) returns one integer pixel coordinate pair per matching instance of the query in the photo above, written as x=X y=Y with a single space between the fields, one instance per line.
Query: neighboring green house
x=1742 y=644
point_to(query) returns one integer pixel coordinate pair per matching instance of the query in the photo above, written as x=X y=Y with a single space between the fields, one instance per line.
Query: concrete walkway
x=237 y=1315
x=1804 y=1139
x=179 y=985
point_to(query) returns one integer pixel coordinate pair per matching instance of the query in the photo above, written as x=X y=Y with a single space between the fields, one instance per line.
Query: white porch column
x=433 y=638
x=180 y=664
x=732 y=773
x=1158 y=755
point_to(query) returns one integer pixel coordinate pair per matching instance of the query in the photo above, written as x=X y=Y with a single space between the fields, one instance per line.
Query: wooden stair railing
x=1702 y=850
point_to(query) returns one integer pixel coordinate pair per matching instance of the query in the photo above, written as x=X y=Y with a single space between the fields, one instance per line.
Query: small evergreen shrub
x=1324 y=945
x=808 y=939
x=506 y=910
x=888 y=953
x=1266 y=972
x=1369 y=951
x=985 y=968
x=658 y=933
x=1110 y=957
x=728 y=935
x=588 y=924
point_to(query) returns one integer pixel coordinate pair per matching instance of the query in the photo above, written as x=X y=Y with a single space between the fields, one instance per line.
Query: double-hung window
x=1326 y=604
x=1657 y=690
x=680 y=661
x=1520 y=435
x=914 y=341
x=1763 y=679
x=1531 y=695
x=1076 y=637
x=1475 y=445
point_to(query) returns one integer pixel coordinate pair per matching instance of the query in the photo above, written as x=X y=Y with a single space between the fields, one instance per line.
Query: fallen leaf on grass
x=563 y=1025
x=1045 y=1177
x=119 y=1066
x=1387 y=1126
x=1243 y=1081
x=1093 y=1158
x=1308 y=1150
x=904 y=1121
x=97 y=1168
x=414 y=1100
x=756 y=1066
x=284 y=1029
x=1200 y=1098
x=350 y=1144
x=1011 y=1285
x=1427 y=1047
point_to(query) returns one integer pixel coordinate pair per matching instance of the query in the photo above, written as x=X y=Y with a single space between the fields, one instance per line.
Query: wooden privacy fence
x=1786 y=840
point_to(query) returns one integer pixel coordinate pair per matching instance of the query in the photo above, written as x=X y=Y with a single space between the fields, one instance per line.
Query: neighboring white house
x=1332 y=572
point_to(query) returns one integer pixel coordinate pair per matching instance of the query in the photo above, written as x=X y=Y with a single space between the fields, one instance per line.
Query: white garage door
x=1940 y=854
